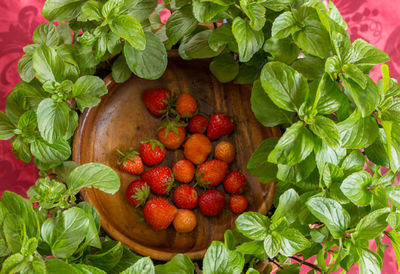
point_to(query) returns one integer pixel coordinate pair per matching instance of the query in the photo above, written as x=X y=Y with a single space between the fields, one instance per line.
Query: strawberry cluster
x=196 y=170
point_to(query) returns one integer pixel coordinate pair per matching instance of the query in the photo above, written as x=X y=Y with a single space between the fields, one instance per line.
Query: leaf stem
x=313 y=266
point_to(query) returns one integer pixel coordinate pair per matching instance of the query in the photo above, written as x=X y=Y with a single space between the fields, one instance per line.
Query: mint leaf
x=283 y=50
x=258 y=164
x=216 y=259
x=83 y=268
x=93 y=175
x=197 y=46
x=252 y=248
x=224 y=67
x=255 y=11
x=326 y=129
x=253 y=225
x=14 y=264
x=284 y=25
x=236 y=261
x=310 y=66
x=21 y=149
x=333 y=64
x=331 y=173
x=51 y=154
x=179 y=264
x=293 y=147
x=87 y=91
x=47 y=64
x=46 y=192
x=14 y=230
x=393 y=194
x=142 y=9
x=297 y=173
x=130 y=29
x=292 y=242
x=247 y=74
x=109 y=256
x=369 y=262
x=65 y=33
x=53 y=120
x=249 y=41
x=91 y=10
x=330 y=95
x=331 y=214
x=149 y=63
x=395 y=240
x=272 y=244
x=287 y=206
x=222 y=36
x=266 y=112
x=61 y=10
x=204 y=12
x=114 y=44
x=355 y=74
x=180 y=23
x=277 y=5
x=46 y=34
x=112 y=8
x=6 y=127
x=357 y=132
x=363 y=53
x=55 y=266
x=120 y=70
x=355 y=187
x=287 y=88
x=25 y=69
x=92 y=237
x=372 y=225
x=144 y=265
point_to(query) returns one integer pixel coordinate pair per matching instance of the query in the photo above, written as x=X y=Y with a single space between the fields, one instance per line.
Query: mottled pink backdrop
x=377 y=21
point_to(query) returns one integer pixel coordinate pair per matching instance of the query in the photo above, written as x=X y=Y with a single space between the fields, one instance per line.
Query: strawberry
x=185 y=196
x=211 y=173
x=211 y=202
x=152 y=152
x=137 y=193
x=160 y=179
x=238 y=203
x=157 y=100
x=159 y=213
x=183 y=171
x=130 y=162
x=186 y=105
x=197 y=148
x=234 y=182
x=224 y=151
x=185 y=220
x=198 y=124
x=172 y=134
x=219 y=125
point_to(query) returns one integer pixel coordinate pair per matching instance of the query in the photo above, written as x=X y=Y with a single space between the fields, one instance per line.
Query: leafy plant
x=335 y=162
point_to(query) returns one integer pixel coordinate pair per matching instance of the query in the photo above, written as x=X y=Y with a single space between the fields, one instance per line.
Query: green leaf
x=87 y=91
x=204 y=12
x=51 y=154
x=333 y=64
x=253 y=225
x=249 y=41
x=47 y=64
x=331 y=173
x=297 y=173
x=357 y=132
x=14 y=230
x=92 y=237
x=65 y=169
x=393 y=194
x=144 y=265
x=355 y=74
x=251 y=248
x=54 y=266
x=255 y=12
x=25 y=69
x=392 y=112
x=120 y=70
x=65 y=33
x=149 y=63
x=65 y=232
x=216 y=259
x=130 y=29
x=61 y=10
x=370 y=262
x=224 y=67
x=326 y=129
x=355 y=187
x=108 y=257
x=354 y=162
x=128 y=259
x=293 y=147
x=366 y=100
x=91 y=10
x=266 y=112
x=372 y=225
x=6 y=127
x=114 y=44
x=292 y=242
x=310 y=66
x=363 y=53
x=180 y=23
x=111 y=9
x=179 y=264
x=258 y=164
x=93 y=175
x=277 y=5
x=53 y=120
x=21 y=149
x=46 y=34
x=236 y=261
x=287 y=207
x=14 y=264
x=142 y=9
x=284 y=25
x=197 y=46
x=287 y=88
x=87 y=269
x=395 y=240
x=331 y=214
x=283 y=50
x=46 y=192
x=272 y=244
x=222 y=36
x=247 y=74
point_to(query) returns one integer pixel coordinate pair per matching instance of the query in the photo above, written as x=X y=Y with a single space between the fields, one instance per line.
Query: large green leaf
x=283 y=50
x=249 y=41
x=372 y=225
x=284 y=25
x=144 y=265
x=258 y=164
x=292 y=242
x=216 y=259
x=14 y=264
x=108 y=256
x=180 y=23
x=130 y=29
x=272 y=244
x=224 y=67
x=204 y=12
x=47 y=64
x=91 y=10
x=179 y=264
x=330 y=95
x=87 y=91
x=287 y=88
x=14 y=230
x=120 y=70
x=51 y=154
x=253 y=225
x=6 y=127
x=149 y=63
x=197 y=46
x=222 y=36
x=355 y=187
x=287 y=207
x=326 y=129
x=25 y=69
x=46 y=34
x=92 y=237
x=61 y=10
x=370 y=262
x=363 y=53
x=55 y=266
x=142 y=9
x=255 y=11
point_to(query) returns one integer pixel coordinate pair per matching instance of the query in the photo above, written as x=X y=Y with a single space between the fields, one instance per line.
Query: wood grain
x=121 y=120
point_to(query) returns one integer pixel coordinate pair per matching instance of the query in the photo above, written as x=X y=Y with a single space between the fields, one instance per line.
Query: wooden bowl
x=122 y=120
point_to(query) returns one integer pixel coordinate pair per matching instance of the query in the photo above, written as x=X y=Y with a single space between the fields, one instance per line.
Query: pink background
x=376 y=21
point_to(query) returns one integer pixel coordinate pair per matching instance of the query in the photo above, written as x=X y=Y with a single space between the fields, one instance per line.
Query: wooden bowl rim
x=87 y=193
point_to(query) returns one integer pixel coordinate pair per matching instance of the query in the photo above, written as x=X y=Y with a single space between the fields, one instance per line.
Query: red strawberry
x=137 y=192
x=186 y=105
x=185 y=196
x=234 y=182
x=198 y=124
x=211 y=173
x=152 y=152
x=219 y=125
x=238 y=203
x=158 y=213
x=130 y=162
x=157 y=100
x=160 y=179
x=211 y=202
x=172 y=134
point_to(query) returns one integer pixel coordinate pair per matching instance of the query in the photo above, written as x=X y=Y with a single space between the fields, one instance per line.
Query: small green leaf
x=355 y=187
x=54 y=266
x=91 y=10
x=112 y=8
x=179 y=264
x=284 y=25
x=236 y=261
x=46 y=34
x=372 y=225
x=272 y=244
x=222 y=36
x=197 y=46
x=92 y=237
x=130 y=29
x=14 y=230
x=46 y=192
x=326 y=129
x=363 y=53
x=14 y=264
x=310 y=66
x=354 y=162
x=108 y=257
x=255 y=11
x=224 y=67
x=287 y=207
x=25 y=69
x=142 y=9
x=87 y=91
x=61 y=10
x=51 y=154
x=355 y=74
x=249 y=41
x=120 y=70
x=144 y=265
x=393 y=194
x=277 y=5
x=180 y=23
x=216 y=259
x=292 y=242
x=253 y=225
x=21 y=149
x=297 y=173
x=114 y=44
x=258 y=164
x=47 y=64
x=6 y=127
